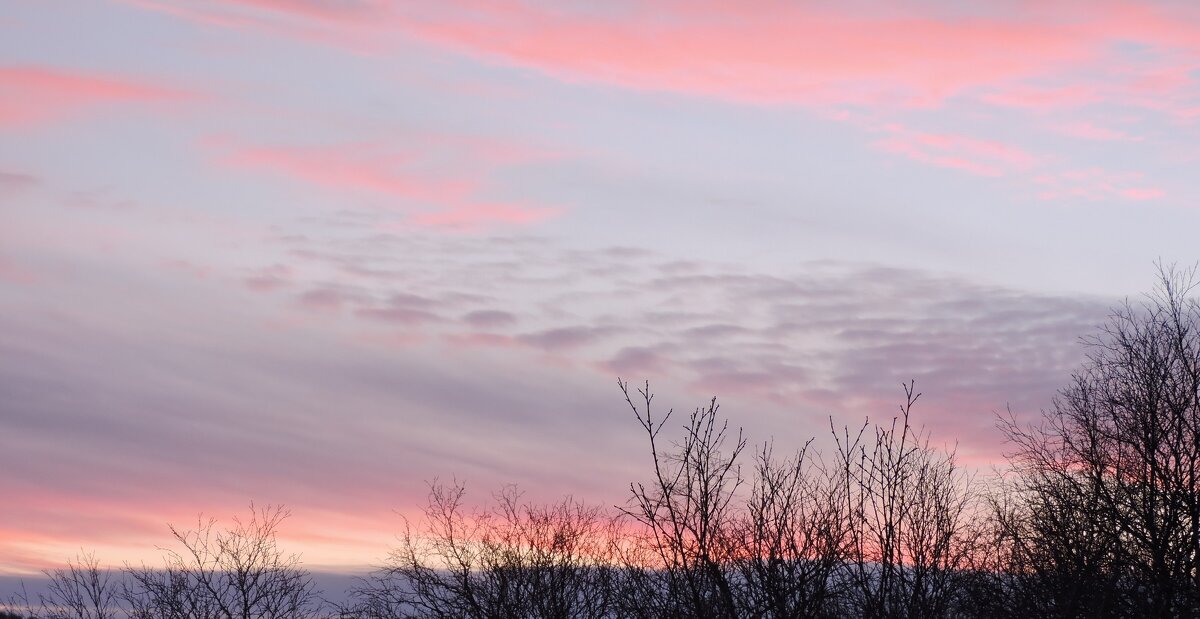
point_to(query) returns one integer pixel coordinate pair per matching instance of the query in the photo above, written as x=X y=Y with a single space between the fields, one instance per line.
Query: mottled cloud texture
x=317 y=253
x=395 y=359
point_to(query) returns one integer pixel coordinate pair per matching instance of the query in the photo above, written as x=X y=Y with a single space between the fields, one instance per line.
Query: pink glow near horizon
x=318 y=253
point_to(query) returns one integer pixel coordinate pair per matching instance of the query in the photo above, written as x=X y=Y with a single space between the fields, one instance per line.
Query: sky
x=320 y=253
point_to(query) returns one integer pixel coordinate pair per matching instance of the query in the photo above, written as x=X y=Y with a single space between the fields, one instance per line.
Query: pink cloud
x=1143 y=193
x=1096 y=184
x=1044 y=59
x=417 y=166
x=31 y=95
x=358 y=26
x=270 y=278
x=779 y=52
x=197 y=15
x=1088 y=131
x=184 y=267
x=810 y=54
x=441 y=180
x=356 y=167
x=1043 y=99
x=14 y=273
x=473 y=217
x=318 y=9
x=959 y=152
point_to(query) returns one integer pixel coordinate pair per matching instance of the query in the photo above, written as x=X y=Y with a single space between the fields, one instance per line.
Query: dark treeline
x=1095 y=514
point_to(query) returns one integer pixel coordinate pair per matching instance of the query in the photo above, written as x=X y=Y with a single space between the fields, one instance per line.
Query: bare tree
x=516 y=560
x=82 y=590
x=790 y=541
x=1111 y=475
x=908 y=508
x=18 y=606
x=1049 y=552
x=232 y=573
x=684 y=518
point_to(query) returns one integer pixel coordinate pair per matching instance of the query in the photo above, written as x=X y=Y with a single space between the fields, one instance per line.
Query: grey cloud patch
x=636 y=361
x=489 y=319
x=269 y=278
x=405 y=308
x=716 y=330
x=411 y=301
x=327 y=299
x=99 y=199
x=16 y=182
x=564 y=337
x=827 y=336
x=101 y=405
x=398 y=315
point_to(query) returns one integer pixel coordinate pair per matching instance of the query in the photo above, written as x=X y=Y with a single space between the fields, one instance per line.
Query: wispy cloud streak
x=32 y=95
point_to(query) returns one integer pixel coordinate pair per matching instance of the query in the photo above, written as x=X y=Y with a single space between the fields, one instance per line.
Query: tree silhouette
x=1108 y=522
x=515 y=560
x=82 y=590
x=791 y=540
x=682 y=548
x=232 y=573
x=908 y=514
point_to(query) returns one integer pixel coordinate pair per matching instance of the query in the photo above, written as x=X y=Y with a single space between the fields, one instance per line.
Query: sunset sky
x=320 y=252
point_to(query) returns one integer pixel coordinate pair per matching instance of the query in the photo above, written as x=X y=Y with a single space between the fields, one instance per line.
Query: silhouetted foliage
x=1106 y=518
